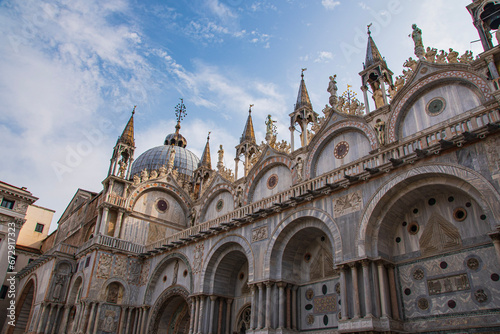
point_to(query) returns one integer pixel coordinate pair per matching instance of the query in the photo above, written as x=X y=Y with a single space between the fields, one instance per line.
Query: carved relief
x=439 y=235
x=423 y=303
x=418 y=274
x=310 y=319
x=120 y=268
x=198 y=258
x=473 y=263
x=448 y=284
x=322 y=265
x=481 y=296
x=347 y=204
x=134 y=271
x=309 y=294
x=108 y=325
x=259 y=233
x=104 y=266
x=144 y=274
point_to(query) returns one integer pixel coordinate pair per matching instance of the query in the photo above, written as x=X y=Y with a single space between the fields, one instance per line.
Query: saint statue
x=270 y=125
x=332 y=86
x=380 y=127
x=416 y=35
x=221 y=154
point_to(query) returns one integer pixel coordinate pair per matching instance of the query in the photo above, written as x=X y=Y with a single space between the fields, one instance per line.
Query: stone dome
x=185 y=161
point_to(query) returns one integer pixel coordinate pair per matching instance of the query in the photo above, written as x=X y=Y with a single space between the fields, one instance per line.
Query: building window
x=39 y=227
x=3 y=291
x=7 y=204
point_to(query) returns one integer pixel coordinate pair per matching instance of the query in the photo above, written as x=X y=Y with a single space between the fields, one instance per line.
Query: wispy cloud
x=330 y=4
x=323 y=57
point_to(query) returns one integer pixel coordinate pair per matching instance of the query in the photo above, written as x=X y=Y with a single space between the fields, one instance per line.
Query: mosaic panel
x=325 y=304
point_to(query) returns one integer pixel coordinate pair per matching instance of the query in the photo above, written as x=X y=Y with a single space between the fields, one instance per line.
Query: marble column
x=294 y=307
x=145 y=314
x=200 y=318
x=123 y=310
x=139 y=320
x=355 y=290
x=91 y=318
x=56 y=322
x=281 y=317
x=118 y=224
x=104 y=221
x=196 y=314
x=219 y=321
x=134 y=319
x=129 y=319
x=96 y=322
x=374 y=276
x=495 y=237
x=49 y=319
x=64 y=320
x=288 y=308
x=84 y=322
x=228 y=315
x=343 y=294
x=366 y=286
x=236 y=161
x=365 y=95
x=260 y=307
x=382 y=280
x=382 y=87
x=269 y=286
x=42 y=316
x=191 y=314
x=254 y=308
x=292 y=139
x=393 y=292
x=211 y=311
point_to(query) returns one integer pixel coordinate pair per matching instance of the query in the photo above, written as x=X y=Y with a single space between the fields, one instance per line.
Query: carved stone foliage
x=198 y=258
x=120 y=269
x=347 y=204
x=439 y=235
x=259 y=233
x=104 y=265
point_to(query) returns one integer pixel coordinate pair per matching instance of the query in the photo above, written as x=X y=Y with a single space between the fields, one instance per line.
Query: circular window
x=432 y=201
x=452 y=304
x=407 y=291
x=415 y=211
x=495 y=277
x=272 y=181
x=307 y=257
x=413 y=228
x=483 y=217
x=451 y=199
x=341 y=150
x=435 y=106
x=242 y=276
x=165 y=278
x=398 y=240
x=219 y=205
x=459 y=214
x=162 y=205
x=443 y=265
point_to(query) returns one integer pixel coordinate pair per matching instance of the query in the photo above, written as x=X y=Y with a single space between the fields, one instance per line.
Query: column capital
x=281 y=284
x=269 y=283
x=363 y=88
x=260 y=284
x=352 y=264
x=495 y=236
x=365 y=262
x=229 y=301
x=213 y=298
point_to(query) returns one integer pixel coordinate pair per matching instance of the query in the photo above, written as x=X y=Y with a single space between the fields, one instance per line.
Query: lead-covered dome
x=185 y=161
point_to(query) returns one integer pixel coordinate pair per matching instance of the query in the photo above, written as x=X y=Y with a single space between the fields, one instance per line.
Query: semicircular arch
x=181 y=198
x=460 y=177
x=157 y=308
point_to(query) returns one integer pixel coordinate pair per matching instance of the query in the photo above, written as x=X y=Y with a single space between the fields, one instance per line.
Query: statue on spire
x=416 y=35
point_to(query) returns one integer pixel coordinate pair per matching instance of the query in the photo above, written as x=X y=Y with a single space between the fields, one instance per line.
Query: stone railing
x=116 y=200
x=115 y=243
x=385 y=158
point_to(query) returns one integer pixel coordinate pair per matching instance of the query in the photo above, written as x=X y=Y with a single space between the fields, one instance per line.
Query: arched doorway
x=23 y=312
x=171 y=312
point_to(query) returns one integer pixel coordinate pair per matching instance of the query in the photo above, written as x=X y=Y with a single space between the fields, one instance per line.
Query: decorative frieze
x=347 y=204
x=259 y=233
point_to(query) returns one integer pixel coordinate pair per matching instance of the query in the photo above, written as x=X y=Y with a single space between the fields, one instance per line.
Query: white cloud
x=330 y=4
x=323 y=57
x=364 y=6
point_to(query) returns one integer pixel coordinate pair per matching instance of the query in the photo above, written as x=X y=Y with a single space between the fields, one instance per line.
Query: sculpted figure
x=144 y=175
x=452 y=56
x=353 y=107
x=220 y=152
x=122 y=169
x=299 y=166
x=416 y=35
x=399 y=83
x=269 y=125
x=171 y=158
x=154 y=175
x=137 y=180
x=340 y=103
x=410 y=63
x=332 y=86
x=467 y=57
x=441 y=58
x=430 y=55
x=378 y=97
x=380 y=127
x=162 y=170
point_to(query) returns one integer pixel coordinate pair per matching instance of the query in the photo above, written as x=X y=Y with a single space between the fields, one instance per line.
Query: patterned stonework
x=325 y=304
x=259 y=233
x=448 y=284
x=120 y=268
x=144 y=275
x=134 y=271
x=347 y=204
x=104 y=266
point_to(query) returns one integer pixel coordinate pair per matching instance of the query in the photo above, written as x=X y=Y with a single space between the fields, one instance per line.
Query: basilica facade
x=385 y=219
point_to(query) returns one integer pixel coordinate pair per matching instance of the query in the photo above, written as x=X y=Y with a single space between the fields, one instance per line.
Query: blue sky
x=73 y=70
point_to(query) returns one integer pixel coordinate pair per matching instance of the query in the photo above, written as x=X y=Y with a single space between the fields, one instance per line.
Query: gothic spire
x=372 y=53
x=205 y=160
x=176 y=138
x=248 y=133
x=127 y=136
x=303 y=100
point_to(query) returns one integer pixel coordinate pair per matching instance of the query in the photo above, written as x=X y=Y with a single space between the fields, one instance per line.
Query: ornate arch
x=362 y=127
x=458 y=75
x=230 y=238
x=159 y=186
x=467 y=180
x=21 y=298
x=214 y=192
x=321 y=220
x=265 y=166
x=154 y=319
x=105 y=285
x=159 y=268
x=72 y=283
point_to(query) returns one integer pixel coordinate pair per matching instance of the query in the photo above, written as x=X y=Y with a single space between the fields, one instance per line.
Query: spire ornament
x=349 y=104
